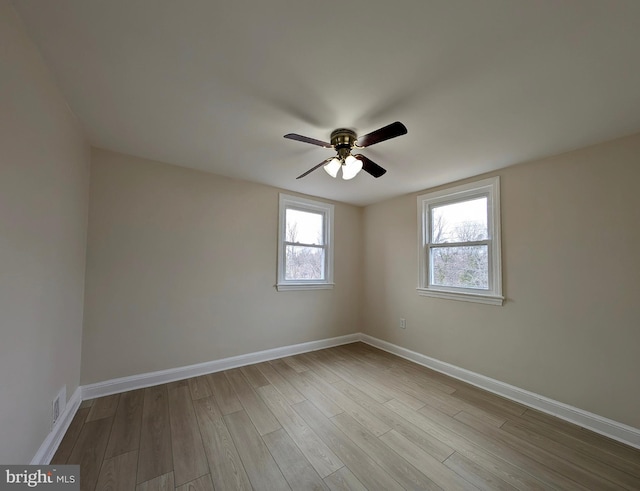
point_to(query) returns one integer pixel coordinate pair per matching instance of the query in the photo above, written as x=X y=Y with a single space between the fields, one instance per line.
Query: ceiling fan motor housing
x=343 y=140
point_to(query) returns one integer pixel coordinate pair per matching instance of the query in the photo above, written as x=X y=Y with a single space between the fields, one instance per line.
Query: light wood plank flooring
x=351 y=417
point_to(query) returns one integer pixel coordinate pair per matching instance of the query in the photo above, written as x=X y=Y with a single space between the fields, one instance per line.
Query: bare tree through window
x=303 y=262
x=459 y=265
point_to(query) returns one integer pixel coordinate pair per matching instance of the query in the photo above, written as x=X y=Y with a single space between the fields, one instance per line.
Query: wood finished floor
x=351 y=417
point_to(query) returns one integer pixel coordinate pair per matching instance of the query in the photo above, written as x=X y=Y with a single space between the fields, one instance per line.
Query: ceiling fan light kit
x=343 y=140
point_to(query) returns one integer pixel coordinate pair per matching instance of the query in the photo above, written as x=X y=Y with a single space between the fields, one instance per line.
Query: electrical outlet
x=58 y=405
x=403 y=323
x=56 y=410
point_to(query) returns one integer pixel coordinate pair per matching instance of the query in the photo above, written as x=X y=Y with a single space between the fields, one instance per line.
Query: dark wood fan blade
x=386 y=133
x=306 y=139
x=324 y=162
x=370 y=166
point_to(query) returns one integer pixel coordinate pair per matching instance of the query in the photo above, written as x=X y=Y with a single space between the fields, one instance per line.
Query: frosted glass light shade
x=351 y=167
x=333 y=167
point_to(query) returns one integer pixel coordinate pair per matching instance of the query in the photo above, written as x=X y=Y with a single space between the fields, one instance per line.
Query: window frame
x=489 y=188
x=286 y=202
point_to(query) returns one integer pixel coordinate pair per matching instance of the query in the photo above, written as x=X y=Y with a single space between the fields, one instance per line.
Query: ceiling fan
x=343 y=140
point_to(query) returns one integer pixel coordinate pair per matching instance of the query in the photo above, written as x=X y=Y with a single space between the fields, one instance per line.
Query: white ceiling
x=213 y=85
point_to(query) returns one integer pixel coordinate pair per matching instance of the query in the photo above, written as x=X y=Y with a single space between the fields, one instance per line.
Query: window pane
x=462 y=267
x=304 y=263
x=464 y=221
x=304 y=227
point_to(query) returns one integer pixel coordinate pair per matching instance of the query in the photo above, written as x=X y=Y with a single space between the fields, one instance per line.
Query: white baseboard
x=599 y=424
x=50 y=444
x=149 y=379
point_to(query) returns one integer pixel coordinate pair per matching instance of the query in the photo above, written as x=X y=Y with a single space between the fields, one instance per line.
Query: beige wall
x=44 y=179
x=570 y=327
x=181 y=267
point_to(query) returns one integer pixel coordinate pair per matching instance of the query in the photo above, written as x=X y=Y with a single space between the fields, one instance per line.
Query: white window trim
x=489 y=187
x=304 y=204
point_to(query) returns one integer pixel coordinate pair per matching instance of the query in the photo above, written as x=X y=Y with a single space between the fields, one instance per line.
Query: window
x=459 y=243
x=305 y=244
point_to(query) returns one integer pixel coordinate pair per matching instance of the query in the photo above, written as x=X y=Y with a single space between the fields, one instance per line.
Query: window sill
x=303 y=286
x=464 y=297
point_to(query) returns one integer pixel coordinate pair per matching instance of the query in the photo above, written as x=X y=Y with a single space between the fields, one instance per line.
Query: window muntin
x=460 y=243
x=304 y=244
